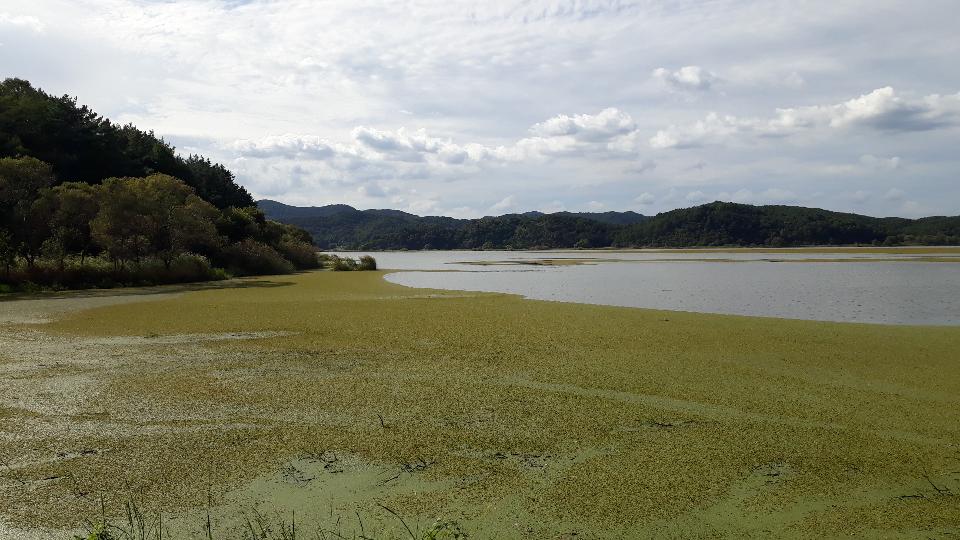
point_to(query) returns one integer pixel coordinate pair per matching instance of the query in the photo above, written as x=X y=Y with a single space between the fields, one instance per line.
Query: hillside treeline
x=714 y=224
x=84 y=202
x=82 y=146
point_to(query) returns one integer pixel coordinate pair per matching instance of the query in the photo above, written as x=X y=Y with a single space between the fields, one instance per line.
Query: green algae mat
x=355 y=408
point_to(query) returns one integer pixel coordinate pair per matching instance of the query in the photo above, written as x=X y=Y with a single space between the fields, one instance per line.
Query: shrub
x=342 y=264
x=301 y=254
x=251 y=257
x=346 y=264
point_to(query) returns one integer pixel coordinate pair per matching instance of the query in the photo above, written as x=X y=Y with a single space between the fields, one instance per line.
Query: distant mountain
x=278 y=211
x=714 y=224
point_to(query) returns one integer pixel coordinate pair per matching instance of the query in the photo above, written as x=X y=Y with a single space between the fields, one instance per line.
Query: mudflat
x=351 y=405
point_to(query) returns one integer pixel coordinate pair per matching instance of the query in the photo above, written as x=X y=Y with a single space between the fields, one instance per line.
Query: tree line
x=713 y=224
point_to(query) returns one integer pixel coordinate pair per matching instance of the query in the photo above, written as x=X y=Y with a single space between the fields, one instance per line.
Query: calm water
x=753 y=283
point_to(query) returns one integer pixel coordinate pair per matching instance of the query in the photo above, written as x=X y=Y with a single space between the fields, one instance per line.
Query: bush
x=346 y=264
x=342 y=264
x=249 y=257
x=191 y=267
x=301 y=254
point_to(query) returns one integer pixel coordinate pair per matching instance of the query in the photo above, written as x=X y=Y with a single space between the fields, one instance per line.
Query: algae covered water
x=895 y=287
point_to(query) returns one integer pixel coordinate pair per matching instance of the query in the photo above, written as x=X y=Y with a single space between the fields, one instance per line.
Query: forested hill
x=345 y=227
x=86 y=202
x=714 y=224
x=82 y=146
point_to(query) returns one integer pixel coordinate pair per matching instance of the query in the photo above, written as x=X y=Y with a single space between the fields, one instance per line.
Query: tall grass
x=99 y=272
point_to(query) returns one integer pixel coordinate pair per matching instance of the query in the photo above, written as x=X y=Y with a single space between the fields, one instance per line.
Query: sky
x=484 y=108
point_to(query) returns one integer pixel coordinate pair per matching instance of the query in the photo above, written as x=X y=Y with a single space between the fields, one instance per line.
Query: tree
x=21 y=181
x=70 y=208
x=8 y=252
x=158 y=215
x=120 y=226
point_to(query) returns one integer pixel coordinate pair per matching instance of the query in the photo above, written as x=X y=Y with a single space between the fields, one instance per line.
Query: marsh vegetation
x=510 y=417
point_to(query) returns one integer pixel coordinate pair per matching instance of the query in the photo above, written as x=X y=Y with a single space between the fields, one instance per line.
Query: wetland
x=350 y=405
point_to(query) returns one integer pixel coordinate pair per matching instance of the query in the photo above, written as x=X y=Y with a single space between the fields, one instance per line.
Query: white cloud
x=24 y=21
x=687 y=78
x=645 y=199
x=506 y=204
x=610 y=134
x=289 y=145
x=595 y=206
x=696 y=197
x=880 y=110
x=873 y=162
x=604 y=126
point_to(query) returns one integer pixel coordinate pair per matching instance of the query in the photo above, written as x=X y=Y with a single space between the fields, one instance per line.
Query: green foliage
x=444 y=530
x=715 y=224
x=301 y=254
x=158 y=215
x=128 y=231
x=98 y=532
x=21 y=181
x=346 y=264
x=731 y=224
x=250 y=257
x=83 y=146
x=84 y=202
x=342 y=264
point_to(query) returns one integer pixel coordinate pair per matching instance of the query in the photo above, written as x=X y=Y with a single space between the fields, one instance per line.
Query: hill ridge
x=712 y=224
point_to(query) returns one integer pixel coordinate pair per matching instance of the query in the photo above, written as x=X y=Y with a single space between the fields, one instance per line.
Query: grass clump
x=347 y=264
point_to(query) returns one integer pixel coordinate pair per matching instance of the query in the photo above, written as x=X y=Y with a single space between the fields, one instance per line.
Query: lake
x=887 y=288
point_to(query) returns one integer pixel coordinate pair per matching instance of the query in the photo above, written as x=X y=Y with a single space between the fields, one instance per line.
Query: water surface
x=872 y=289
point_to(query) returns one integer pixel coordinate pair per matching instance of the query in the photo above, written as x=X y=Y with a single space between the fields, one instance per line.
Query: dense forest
x=86 y=202
x=714 y=224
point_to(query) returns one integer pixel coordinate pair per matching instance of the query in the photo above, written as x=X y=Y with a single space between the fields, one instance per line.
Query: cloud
x=504 y=205
x=641 y=166
x=687 y=78
x=595 y=206
x=288 y=146
x=873 y=162
x=880 y=110
x=457 y=104
x=894 y=194
x=645 y=199
x=23 y=21
x=604 y=126
x=884 y=110
x=373 y=191
x=610 y=134
x=696 y=197
x=401 y=145
x=860 y=196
